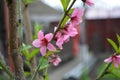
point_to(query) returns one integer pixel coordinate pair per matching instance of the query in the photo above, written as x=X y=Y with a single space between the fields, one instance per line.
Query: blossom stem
x=104 y=71
x=64 y=16
x=37 y=69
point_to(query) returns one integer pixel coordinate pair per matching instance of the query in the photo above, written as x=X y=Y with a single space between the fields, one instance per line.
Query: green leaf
x=64 y=22
x=25 y=50
x=25 y=47
x=115 y=71
x=119 y=50
x=109 y=76
x=37 y=28
x=46 y=77
x=118 y=38
x=27 y=63
x=66 y=18
x=51 y=52
x=33 y=53
x=114 y=45
x=65 y=4
x=44 y=63
x=27 y=74
x=28 y=1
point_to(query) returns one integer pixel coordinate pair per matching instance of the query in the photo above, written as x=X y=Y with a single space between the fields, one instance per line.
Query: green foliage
x=44 y=63
x=27 y=74
x=28 y=1
x=85 y=76
x=33 y=53
x=118 y=38
x=46 y=77
x=37 y=28
x=66 y=18
x=3 y=77
x=113 y=44
x=114 y=71
x=109 y=77
x=51 y=52
x=25 y=50
x=101 y=68
x=65 y=4
x=26 y=53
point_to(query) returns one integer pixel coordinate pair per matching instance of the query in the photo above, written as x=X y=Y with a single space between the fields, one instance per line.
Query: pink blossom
x=55 y=59
x=60 y=39
x=88 y=2
x=71 y=31
x=64 y=35
x=115 y=59
x=43 y=42
x=76 y=16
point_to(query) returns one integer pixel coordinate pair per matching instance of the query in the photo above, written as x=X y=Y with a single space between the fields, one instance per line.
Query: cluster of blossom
x=62 y=36
x=115 y=59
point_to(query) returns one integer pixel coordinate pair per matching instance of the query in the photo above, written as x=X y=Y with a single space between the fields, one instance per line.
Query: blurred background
x=85 y=52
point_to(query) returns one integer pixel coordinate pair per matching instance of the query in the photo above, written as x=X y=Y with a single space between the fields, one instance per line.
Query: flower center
x=44 y=42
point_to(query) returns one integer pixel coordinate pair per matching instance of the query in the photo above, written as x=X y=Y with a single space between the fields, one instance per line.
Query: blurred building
x=102 y=23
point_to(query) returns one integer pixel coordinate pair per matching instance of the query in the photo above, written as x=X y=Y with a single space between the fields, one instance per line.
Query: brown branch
x=13 y=41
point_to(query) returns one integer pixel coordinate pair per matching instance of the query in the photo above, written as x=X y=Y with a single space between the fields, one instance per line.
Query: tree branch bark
x=13 y=40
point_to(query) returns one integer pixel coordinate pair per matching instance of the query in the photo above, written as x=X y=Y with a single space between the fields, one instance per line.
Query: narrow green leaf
x=64 y=22
x=66 y=18
x=67 y=4
x=119 y=50
x=25 y=47
x=27 y=63
x=63 y=4
x=25 y=50
x=46 y=77
x=28 y=1
x=118 y=38
x=113 y=44
x=33 y=53
x=27 y=74
x=37 y=28
x=44 y=63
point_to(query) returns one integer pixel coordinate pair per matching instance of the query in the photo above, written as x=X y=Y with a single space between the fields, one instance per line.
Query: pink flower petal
x=43 y=50
x=36 y=43
x=115 y=61
x=51 y=47
x=55 y=63
x=59 y=59
x=80 y=13
x=108 y=60
x=40 y=35
x=76 y=10
x=58 y=35
x=59 y=43
x=72 y=32
x=118 y=57
x=89 y=2
x=76 y=16
x=49 y=37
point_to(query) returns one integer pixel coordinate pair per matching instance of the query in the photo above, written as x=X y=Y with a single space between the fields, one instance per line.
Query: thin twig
x=104 y=72
x=64 y=16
